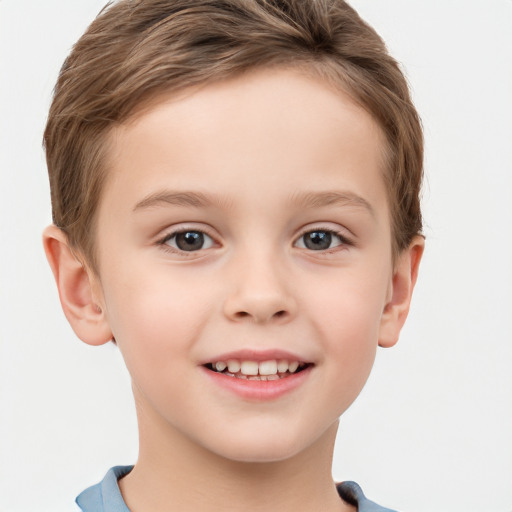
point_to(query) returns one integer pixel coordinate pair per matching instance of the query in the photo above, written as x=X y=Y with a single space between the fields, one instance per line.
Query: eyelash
x=163 y=242
x=344 y=241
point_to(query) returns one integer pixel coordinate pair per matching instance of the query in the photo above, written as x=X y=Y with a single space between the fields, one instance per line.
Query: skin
x=265 y=149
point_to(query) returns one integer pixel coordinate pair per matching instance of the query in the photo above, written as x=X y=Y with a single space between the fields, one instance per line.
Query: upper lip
x=256 y=355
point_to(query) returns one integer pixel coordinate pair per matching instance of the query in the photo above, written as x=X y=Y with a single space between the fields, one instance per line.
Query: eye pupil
x=318 y=240
x=190 y=240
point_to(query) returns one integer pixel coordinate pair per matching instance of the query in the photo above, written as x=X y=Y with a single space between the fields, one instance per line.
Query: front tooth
x=249 y=368
x=282 y=366
x=220 y=366
x=292 y=367
x=233 y=366
x=268 y=367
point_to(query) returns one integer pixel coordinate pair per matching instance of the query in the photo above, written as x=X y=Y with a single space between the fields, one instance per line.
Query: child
x=235 y=190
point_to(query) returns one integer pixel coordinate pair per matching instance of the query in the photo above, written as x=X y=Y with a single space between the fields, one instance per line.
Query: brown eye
x=321 y=240
x=317 y=240
x=189 y=241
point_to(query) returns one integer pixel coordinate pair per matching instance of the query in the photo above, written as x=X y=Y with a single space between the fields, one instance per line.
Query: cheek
x=348 y=311
x=155 y=321
x=347 y=317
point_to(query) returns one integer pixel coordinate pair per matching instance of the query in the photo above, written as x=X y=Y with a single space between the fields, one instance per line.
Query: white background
x=432 y=431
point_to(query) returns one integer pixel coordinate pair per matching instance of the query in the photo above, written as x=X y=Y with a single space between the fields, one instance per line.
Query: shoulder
x=353 y=495
x=105 y=496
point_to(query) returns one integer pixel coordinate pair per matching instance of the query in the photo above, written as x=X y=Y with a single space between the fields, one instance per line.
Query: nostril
x=244 y=314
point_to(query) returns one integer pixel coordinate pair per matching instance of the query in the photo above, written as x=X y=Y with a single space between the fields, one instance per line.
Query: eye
x=321 y=240
x=188 y=240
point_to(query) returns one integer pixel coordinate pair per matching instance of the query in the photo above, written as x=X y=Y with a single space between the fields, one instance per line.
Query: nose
x=259 y=292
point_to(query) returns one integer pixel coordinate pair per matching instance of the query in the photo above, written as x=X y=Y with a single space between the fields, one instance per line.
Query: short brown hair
x=136 y=49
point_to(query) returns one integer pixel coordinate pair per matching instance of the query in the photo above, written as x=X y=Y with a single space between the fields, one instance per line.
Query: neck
x=174 y=473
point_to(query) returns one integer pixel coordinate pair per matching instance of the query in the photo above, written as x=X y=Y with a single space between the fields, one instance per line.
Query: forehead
x=268 y=132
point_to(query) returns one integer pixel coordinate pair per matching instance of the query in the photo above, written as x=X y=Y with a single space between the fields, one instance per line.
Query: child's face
x=274 y=184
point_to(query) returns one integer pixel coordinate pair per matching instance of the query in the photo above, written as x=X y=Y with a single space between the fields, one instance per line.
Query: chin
x=252 y=455
x=257 y=448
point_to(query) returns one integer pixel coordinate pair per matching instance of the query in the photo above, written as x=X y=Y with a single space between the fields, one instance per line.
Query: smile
x=270 y=370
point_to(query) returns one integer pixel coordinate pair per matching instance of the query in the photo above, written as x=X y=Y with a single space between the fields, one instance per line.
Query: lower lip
x=259 y=390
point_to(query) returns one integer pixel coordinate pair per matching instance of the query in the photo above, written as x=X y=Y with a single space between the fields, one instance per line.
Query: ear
x=399 y=296
x=79 y=289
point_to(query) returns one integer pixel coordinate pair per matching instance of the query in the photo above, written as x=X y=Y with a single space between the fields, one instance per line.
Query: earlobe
x=402 y=286
x=80 y=302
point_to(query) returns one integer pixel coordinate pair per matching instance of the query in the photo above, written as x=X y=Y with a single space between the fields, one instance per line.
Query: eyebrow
x=185 y=198
x=331 y=198
x=302 y=200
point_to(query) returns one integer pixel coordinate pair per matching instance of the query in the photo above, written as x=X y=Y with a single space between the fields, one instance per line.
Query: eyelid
x=173 y=231
x=340 y=233
x=172 y=236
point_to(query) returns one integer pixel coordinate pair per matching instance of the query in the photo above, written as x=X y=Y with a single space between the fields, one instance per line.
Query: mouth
x=270 y=370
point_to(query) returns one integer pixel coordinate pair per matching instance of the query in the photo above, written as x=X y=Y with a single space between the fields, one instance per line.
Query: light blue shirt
x=106 y=496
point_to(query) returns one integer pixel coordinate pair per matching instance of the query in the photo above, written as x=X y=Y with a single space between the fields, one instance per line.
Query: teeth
x=233 y=366
x=282 y=366
x=249 y=367
x=292 y=368
x=268 y=368
x=258 y=377
x=254 y=370
x=220 y=366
